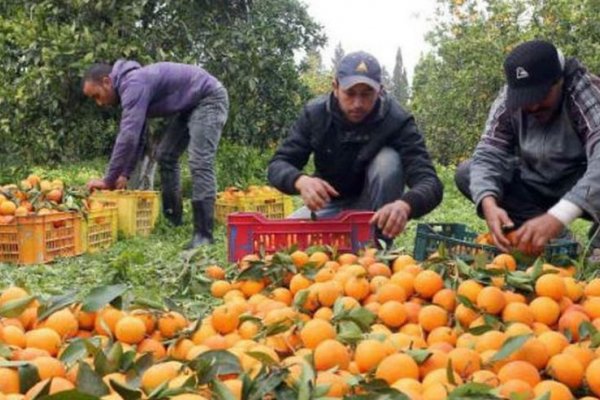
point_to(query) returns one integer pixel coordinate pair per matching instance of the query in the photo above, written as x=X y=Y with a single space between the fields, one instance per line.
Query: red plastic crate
x=250 y=233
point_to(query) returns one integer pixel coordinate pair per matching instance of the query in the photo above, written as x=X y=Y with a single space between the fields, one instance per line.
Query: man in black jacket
x=366 y=149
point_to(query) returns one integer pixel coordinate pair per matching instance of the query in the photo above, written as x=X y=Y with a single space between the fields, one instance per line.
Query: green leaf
x=214 y=363
x=262 y=357
x=545 y=396
x=77 y=350
x=90 y=382
x=300 y=299
x=419 y=355
x=222 y=391
x=5 y=351
x=450 y=373
x=101 y=296
x=480 y=330
x=473 y=390
x=55 y=304
x=349 y=332
x=466 y=302
x=43 y=391
x=14 y=308
x=28 y=376
x=125 y=391
x=510 y=346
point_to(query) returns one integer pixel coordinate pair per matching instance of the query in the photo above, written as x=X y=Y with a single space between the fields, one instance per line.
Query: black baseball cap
x=531 y=69
x=359 y=67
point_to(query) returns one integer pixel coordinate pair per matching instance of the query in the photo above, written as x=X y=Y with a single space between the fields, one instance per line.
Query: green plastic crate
x=459 y=241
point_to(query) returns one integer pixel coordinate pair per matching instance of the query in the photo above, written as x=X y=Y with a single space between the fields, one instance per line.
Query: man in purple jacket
x=198 y=106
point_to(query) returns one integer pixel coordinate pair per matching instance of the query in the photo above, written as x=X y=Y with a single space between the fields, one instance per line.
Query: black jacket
x=343 y=151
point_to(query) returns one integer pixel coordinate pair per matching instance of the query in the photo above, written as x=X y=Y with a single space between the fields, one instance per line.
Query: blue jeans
x=199 y=131
x=384 y=183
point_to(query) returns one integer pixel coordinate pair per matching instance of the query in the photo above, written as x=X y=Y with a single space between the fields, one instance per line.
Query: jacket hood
x=120 y=69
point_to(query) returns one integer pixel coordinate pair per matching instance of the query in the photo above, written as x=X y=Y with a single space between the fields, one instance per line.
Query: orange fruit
x=465 y=315
x=428 y=283
x=491 y=340
x=319 y=258
x=516 y=388
x=592 y=288
x=557 y=390
x=445 y=298
x=158 y=374
x=49 y=367
x=338 y=387
x=555 y=342
x=518 y=312
x=9 y=380
x=130 y=330
x=391 y=292
x=369 y=353
x=298 y=283
x=107 y=318
x=432 y=316
x=225 y=319
x=152 y=346
x=567 y=369
x=534 y=352
x=392 y=314
x=220 y=288
x=329 y=354
x=44 y=339
x=582 y=353
x=299 y=258
x=64 y=322
x=551 y=285
x=505 y=261
x=402 y=261
x=592 y=376
x=397 y=366
x=169 y=324
x=486 y=377
x=545 y=310
x=316 y=331
x=214 y=272
x=57 y=385
x=7 y=207
x=357 y=288
x=469 y=289
x=519 y=370
x=465 y=361
x=442 y=334
x=347 y=259
x=591 y=307
x=491 y=300
x=570 y=321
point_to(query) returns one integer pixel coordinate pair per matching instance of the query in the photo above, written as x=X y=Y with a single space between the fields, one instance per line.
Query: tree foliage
x=45 y=45
x=338 y=54
x=455 y=84
x=399 y=80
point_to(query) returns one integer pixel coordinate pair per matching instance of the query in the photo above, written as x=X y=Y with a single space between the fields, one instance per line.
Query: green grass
x=155 y=267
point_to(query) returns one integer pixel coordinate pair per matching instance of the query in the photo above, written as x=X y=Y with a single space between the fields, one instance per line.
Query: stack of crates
x=260 y=199
x=38 y=239
x=137 y=210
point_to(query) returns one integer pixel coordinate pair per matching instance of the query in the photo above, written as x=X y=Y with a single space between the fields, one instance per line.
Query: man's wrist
x=298 y=182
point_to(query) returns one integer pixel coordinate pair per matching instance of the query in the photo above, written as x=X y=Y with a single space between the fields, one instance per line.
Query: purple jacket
x=156 y=90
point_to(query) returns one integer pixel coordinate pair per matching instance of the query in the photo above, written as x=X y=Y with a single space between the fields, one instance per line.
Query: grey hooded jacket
x=570 y=170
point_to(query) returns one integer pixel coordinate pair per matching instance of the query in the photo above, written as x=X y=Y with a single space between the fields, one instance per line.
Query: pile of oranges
x=31 y=195
x=349 y=319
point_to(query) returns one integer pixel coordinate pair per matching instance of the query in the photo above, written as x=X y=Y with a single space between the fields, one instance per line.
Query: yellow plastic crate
x=272 y=205
x=137 y=210
x=38 y=239
x=99 y=228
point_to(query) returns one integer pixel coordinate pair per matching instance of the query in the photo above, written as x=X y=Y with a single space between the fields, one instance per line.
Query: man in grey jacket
x=537 y=166
x=197 y=104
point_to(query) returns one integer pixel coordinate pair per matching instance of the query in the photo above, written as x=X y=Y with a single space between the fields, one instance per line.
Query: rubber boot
x=172 y=207
x=204 y=219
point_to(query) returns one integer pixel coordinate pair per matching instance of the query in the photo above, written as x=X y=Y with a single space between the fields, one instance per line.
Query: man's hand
x=96 y=184
x=315 y=192
x=496 y=218
x=391 y=219
x=121 y=183
x=536 y=233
